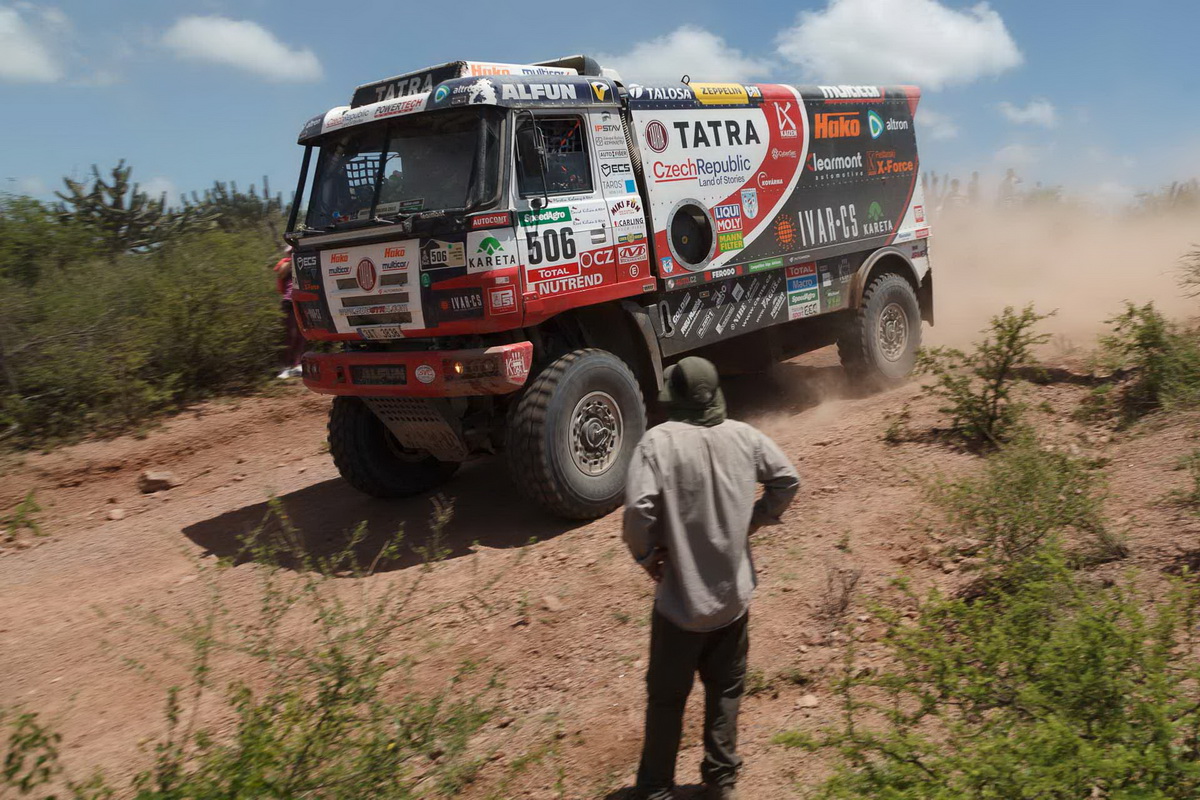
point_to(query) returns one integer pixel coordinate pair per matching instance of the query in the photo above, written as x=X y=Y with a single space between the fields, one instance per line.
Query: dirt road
x=566 y=627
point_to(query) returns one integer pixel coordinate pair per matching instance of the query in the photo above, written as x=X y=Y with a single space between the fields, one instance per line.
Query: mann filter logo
x=851 y=92
x=783 y=117
x=720 y=94
x=875 y=122
x=837 y=125
x=544 y=216
x=716 y=133
x=876 y=224
x=828 y=225
x=436 y=254
x=656 y=136
x=365 y=275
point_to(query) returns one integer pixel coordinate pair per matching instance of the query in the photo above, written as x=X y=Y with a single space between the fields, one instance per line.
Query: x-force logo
x=656 y=136
x=783 y=117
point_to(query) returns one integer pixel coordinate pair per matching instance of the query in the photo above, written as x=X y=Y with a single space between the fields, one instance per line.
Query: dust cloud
x=1083 y=263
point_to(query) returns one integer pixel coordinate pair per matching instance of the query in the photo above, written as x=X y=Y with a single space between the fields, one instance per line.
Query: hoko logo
x=544 y=216
x=875 y=123
x=491 y=245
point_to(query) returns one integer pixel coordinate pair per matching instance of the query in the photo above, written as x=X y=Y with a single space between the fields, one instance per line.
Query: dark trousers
x=675 y=656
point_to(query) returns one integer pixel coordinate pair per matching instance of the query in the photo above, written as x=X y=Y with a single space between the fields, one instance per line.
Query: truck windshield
x=446 y=160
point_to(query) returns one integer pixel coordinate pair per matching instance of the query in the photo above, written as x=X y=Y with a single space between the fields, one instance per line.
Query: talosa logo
x=875 y=123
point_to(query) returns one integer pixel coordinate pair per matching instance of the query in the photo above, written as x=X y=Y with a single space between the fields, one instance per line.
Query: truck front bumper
x=426 y=373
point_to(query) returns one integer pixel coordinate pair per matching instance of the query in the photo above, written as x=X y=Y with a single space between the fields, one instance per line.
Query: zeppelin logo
x=837 y=125
x=366 y=275
x=339 y=258
x=629 y=254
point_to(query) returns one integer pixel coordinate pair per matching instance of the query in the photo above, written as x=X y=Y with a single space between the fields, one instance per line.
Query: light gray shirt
x=691 y=491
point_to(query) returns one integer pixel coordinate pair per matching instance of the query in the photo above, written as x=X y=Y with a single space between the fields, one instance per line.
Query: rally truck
x=503 y=257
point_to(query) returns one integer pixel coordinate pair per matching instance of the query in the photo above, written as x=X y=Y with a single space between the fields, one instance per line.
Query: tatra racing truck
x=505 y=256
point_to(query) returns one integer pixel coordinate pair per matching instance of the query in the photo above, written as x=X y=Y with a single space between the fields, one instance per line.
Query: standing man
x=689 y=513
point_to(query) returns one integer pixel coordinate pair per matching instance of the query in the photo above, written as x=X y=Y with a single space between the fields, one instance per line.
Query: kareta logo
x=491 y=245
x=875 y=212
x=528 y=218
x=875 y=123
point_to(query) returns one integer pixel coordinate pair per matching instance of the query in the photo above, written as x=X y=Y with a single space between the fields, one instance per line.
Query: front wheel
x=370 y=458
x=572 y=434
x=879 y=345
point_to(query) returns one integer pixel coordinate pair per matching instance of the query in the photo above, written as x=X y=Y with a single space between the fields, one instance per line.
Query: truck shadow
x=789 y=388
x=486 y=508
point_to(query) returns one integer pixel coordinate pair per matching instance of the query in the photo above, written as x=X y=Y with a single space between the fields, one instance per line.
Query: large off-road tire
x=572 y=433
x=879 y=345
x=372 y=461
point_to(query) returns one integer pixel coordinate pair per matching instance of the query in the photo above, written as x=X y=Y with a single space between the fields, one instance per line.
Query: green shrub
x=21 y=519
x=1051 y=688
x=103 y=344
x=977 y=387
x=1025 y=498
x=1164 y=359
x=325 y=713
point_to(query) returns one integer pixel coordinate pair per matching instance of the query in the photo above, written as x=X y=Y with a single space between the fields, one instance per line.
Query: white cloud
x=241 y=44
x=1018 y=155
x=899 y=41
x=935 y=125
x=688 y=50
x=1037 y=112
x=26 y=49
x=31 y=185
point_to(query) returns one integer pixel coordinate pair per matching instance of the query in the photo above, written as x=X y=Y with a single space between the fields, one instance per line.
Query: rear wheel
x=371 y=459
x=879 y=345
x=572 y=434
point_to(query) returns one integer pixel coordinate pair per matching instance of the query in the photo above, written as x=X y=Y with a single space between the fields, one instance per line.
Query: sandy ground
x=566 y=626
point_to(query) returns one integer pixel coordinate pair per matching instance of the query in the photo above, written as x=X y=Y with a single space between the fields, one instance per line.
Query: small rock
x=301 y=469
x=112 y=500
x=504 y=722
x=552 y=603
x=808 y=701
x=156 y=481
x=116 y=513
x=239 y=477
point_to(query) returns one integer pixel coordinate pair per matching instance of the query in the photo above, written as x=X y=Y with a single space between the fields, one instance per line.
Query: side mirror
x=531 y=146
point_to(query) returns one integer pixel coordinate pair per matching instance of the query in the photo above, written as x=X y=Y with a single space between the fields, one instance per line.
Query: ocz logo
x=596 y=258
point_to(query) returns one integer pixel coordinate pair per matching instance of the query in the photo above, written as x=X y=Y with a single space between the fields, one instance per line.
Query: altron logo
x=875 y=123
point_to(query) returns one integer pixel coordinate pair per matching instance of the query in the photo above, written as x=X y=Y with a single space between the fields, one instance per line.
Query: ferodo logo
x=630 y=254
x=837 y=125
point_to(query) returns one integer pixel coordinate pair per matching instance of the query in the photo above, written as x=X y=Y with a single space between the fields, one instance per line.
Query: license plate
x=387 y=332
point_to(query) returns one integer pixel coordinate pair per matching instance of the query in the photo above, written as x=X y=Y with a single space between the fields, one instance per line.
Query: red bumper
x=427 y=373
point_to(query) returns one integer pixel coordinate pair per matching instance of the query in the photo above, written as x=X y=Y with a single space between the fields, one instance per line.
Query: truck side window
x=567 y=167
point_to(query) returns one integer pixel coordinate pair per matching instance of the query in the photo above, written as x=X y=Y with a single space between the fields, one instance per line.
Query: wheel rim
x=596 y=432
x=893 y=332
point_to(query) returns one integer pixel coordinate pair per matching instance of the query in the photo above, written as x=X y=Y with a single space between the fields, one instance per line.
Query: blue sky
x=1099 y=97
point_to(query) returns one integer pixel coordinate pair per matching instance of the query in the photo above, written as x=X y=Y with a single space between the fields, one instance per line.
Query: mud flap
x=422 y=424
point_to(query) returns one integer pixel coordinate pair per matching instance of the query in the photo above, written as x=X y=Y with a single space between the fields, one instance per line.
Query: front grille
x=398 y=318
x=374 y=299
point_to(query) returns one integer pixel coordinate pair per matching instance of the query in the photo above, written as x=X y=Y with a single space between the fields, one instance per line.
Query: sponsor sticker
x=436 y=254
x=837 y=125
x=365 y=275
x=720 y=94
x=730 y=241
x=503 y=300
x=489 y=221
x=629 y=254
x=544 y=216
x=766 y=263
x=425 y=374
x=875 y=124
